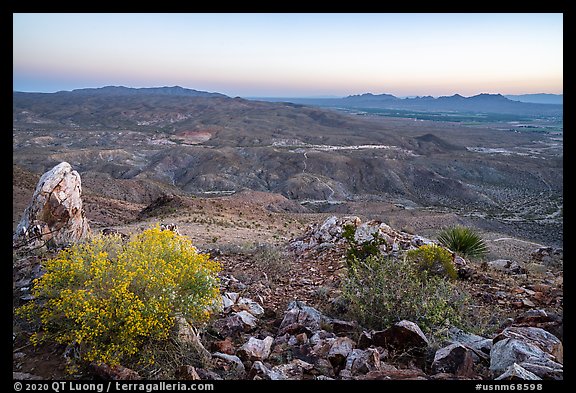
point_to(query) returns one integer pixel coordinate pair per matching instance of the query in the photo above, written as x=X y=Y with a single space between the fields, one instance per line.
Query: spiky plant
x=463 y=240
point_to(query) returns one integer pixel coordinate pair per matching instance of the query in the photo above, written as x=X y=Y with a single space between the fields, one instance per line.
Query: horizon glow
x=294 y=54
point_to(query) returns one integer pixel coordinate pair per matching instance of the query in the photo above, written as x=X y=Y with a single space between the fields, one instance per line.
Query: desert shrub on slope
x=109 y=299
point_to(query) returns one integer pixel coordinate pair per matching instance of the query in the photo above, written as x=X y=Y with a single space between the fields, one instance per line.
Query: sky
x=292 y=54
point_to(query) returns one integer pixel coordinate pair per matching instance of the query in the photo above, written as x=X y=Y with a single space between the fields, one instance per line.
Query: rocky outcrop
x=329 y=234
x=55 y=216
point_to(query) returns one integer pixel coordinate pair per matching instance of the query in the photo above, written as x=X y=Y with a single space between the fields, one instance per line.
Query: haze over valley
x=204 y=144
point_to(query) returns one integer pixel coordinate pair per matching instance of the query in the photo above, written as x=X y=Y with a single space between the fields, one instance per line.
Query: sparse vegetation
x=381 y=291
x=111 y=299
x=464 y=241
x=269 y=260
x=359 y=251
x=431 y=259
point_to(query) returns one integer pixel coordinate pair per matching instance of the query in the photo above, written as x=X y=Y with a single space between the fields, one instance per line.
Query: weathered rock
x=339 y=351
x=341 y=327
x=455 y=359
x=479 y=345
x=247 y=320
x=538 y=337
x=188 y=337
x=224 y=346
x=300 y=318
x=403 y=335
x=187 y=372
x=389 y=372
x=545 y=372
x=19 y=376
x=231 y=364
x=363 y=361
x=293 y=370
x=256 y=349
x=116 y=373
x=508 y=351
x=329 y=234
x=507 y=266
x=540 y=318
x=517 y=373
x=55 y=216
x=208 y=375
x=245 y=304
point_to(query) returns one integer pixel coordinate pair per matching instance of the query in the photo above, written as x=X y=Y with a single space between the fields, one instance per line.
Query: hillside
x=265 y=189
x=323 y=159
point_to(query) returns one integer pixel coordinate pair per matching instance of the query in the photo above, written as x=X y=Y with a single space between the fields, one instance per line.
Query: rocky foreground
x=281 y=317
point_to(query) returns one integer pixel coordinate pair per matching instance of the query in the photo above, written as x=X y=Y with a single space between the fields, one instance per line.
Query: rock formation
x=55 y=216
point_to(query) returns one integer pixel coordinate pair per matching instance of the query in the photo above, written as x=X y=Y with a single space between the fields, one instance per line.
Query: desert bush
x=463 y=240
x=270 y=260
x=109 y=298
x=383 y=290
x=358 y=251
x=433 y=260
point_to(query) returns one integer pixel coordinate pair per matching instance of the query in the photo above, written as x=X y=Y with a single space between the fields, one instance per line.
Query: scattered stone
x=293 y=370
x=479 y=345
x=19 y=376
x=224 y=346
x=402 y=336
x=507 y=266
x=517 y=373
x=248 y=321
x=187 y=336
x=231 y=364
x=208 y=375
x=363 y=361
x=258 y=371
x=300 y=318
x=389 y=372
x=116 y=373
x=255 y=349
x=339 y=351
x=245 y=304
x=508 y=351
x=538 y=337
x=549 y=256
x=187 y=372
x=455 y=359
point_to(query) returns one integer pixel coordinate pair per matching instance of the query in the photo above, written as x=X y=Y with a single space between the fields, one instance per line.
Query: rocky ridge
x=288 y=327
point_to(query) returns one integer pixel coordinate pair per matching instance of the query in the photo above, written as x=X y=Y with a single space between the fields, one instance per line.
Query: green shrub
x=433 y=260
x=359 y=251
x=381 y=291
x=464 y=241
x=270 y=260
x=111 y=299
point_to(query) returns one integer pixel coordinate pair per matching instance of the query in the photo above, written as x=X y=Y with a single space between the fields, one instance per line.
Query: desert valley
x=267 y=187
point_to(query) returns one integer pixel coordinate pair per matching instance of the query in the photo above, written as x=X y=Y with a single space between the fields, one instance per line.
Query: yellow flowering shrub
x=433 y=260
x=110 y=299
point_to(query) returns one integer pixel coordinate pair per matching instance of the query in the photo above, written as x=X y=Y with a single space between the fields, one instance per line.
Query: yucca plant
x=463 y=240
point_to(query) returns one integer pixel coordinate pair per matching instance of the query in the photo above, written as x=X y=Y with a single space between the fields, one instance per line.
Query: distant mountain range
x=522 y=105
x=166 y=90
x=540 y=98
x=481 y=103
